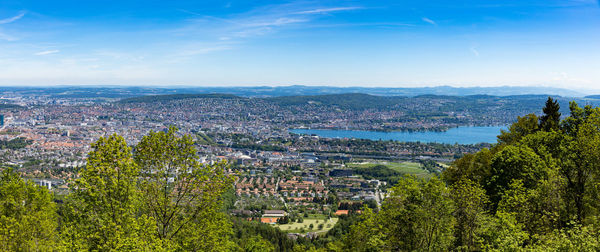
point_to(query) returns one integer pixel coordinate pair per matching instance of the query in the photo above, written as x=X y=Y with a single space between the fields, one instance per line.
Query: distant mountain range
x=266 y=91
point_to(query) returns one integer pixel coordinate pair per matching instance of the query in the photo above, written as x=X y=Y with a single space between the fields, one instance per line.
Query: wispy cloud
x=203 y=50
x=46 y=52
x=276 y=22
x=6 y=37
x=222 y=33
x=327 y=10
x=12 y=19
x=425 y=19
x=474 y=51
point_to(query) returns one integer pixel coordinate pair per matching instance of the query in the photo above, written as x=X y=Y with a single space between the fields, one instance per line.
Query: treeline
x=391 y=176
x=351 y=101
x=537 y=189
x=10 y=106
x=15 y=144
x=379 y=172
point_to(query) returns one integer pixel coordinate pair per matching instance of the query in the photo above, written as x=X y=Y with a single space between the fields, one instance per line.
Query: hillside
x=171 y=97
x=345 y=101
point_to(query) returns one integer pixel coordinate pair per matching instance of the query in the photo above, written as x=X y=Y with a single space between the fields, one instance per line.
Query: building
x=341 y=212
x=274 y=213
x=269 y=220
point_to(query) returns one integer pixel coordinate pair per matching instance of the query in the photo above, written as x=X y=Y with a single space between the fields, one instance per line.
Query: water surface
x=460 y=135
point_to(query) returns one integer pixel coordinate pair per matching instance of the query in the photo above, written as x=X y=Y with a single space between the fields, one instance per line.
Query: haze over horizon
x=279 y=43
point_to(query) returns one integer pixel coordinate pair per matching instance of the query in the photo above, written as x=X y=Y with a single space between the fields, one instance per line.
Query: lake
x=460 y=135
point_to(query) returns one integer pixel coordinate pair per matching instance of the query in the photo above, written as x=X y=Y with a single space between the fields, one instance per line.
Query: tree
x=366 y=235
x=475 y=167
x=258 y=244
x=182 y=195
x=502 y=232
x=551 y=118
x=470 y=201
x=571 y=124
x=580 y=163
x=514 y=162
x=417 y=216
x=100 y=213
x=576 y=238
x=28 y=219
x=524 y=126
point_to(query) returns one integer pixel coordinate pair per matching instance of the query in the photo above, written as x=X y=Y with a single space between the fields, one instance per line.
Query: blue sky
x=342 y=43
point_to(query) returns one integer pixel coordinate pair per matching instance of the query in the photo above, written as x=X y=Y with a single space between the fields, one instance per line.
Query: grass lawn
x=295 y=227
x=402 y=167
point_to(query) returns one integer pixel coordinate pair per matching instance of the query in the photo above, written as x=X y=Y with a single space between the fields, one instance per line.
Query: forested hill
x=472 y=103
x=346 y=101
x=10 y=106
x=171 y=97
x=360 y=101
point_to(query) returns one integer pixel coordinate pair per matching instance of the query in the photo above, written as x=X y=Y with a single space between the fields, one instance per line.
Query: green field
x=295 y=227
x=402 y=167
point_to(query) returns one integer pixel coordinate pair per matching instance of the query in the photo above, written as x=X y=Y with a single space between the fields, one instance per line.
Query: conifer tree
x=551 y=118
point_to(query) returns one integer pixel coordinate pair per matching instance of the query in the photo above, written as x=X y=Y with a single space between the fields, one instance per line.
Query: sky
x=335 y=43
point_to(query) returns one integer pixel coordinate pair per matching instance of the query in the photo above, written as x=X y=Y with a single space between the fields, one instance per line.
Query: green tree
x=258 y=244
x=416 y=216
x=580 y=162
x=28 y=219
x=366 y=235
x=502 y=232
x=470 y=201
x=523 y=127
x=475 y=167
x=570 y=125
x=182 y=195
x=100 y=213
x=576 y=238
x=514 y=162
x=551 y=118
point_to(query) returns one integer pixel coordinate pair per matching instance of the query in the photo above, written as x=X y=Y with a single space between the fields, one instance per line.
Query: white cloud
x=46 y=52
x=327 y=10
x=429 y=21
x=12 y=19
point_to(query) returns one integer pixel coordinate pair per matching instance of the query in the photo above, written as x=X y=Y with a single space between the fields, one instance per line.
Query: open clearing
x=295 y=227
